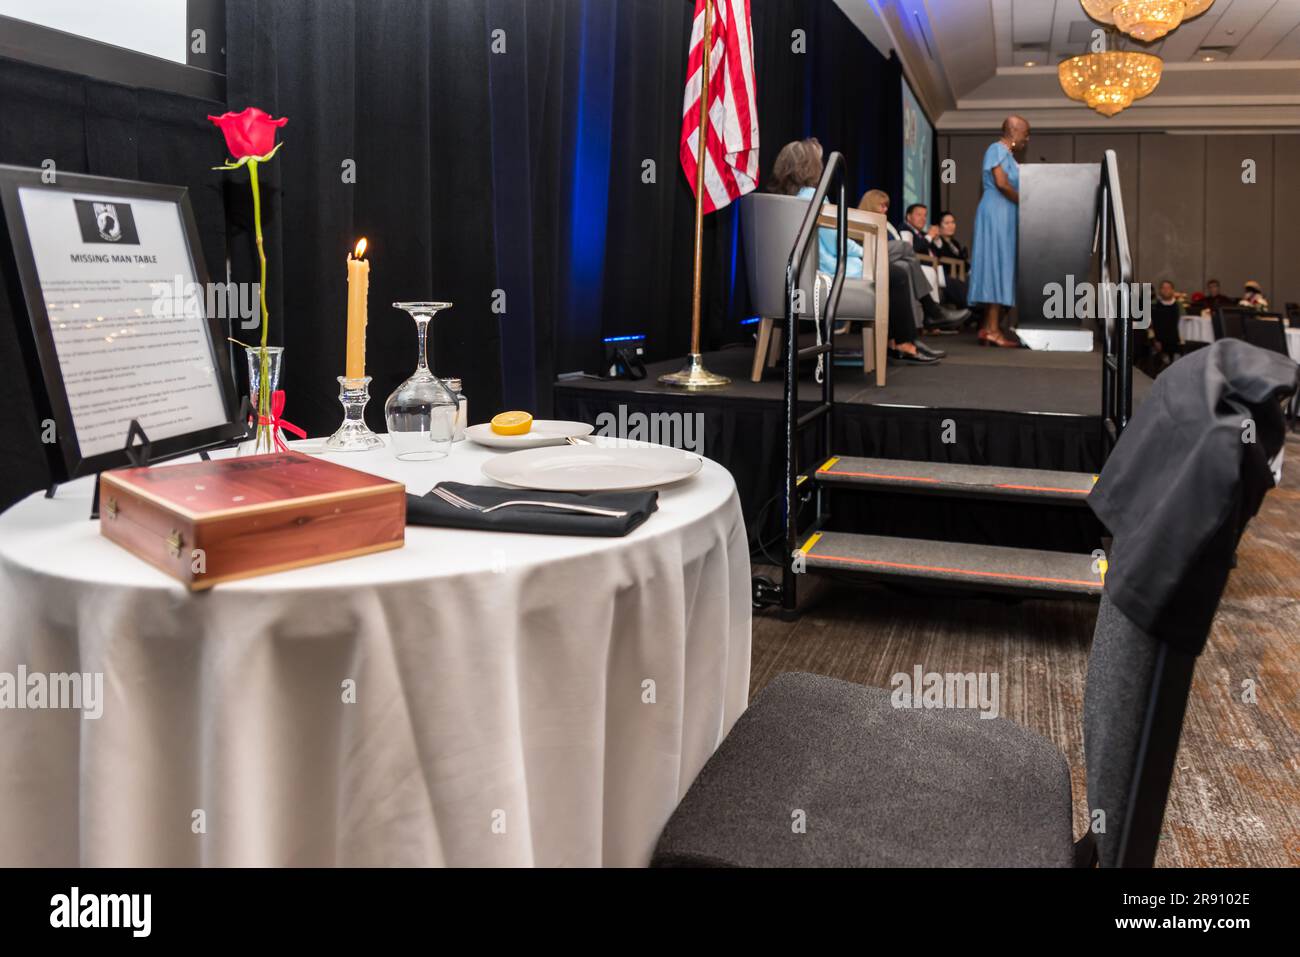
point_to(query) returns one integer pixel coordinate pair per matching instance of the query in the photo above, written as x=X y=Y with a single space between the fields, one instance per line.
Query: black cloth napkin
x=1183 y=481
x=431 y=510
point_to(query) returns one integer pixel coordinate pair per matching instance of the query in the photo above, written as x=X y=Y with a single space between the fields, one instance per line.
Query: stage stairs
x=1026 y=572
x=815 y=546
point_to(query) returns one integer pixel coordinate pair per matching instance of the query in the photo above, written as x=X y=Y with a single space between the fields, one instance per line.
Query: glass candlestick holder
x=353 y=435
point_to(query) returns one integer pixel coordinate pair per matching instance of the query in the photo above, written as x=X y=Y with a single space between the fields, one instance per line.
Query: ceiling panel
x=1256 y=84
x=1288 y=48
x=1236 y=20
x=1265 y=40
x=1031 y=23
x=1059 y=29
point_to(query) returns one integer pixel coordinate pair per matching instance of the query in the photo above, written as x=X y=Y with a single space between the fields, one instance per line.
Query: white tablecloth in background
x=1201 y=329
x=499 y=680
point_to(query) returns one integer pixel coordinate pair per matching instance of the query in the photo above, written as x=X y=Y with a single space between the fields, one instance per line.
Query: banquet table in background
x=1201 y=329
x=519 y=699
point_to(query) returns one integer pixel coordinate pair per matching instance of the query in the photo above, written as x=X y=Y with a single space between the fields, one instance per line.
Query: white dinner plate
x=593 y=468
x=544 y=432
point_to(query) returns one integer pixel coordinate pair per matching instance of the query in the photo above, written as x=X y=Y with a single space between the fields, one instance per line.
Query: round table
x=473 y=698
x=1201 y=329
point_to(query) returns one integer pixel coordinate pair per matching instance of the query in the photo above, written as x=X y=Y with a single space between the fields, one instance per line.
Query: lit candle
x=358 y=289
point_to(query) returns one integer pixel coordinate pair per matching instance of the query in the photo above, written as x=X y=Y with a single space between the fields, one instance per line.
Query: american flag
x=731 y=148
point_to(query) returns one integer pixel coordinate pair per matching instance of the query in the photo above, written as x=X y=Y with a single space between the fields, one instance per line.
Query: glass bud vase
x=421 y=412
x=262 y=435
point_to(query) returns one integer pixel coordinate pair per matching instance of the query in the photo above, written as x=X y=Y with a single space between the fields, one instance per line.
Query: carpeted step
x=1022 y=571
x=964 y=481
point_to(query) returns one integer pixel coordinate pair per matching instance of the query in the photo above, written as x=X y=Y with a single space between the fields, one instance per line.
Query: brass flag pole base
x=694 y=376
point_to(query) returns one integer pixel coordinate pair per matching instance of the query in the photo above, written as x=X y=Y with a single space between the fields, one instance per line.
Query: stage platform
x=984 y=406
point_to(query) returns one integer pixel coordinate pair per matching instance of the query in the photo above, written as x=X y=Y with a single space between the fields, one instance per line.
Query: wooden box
x=208 y=522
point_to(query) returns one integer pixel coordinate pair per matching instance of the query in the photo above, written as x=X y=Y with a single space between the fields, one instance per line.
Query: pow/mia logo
x=110 y=227
x=104 y=222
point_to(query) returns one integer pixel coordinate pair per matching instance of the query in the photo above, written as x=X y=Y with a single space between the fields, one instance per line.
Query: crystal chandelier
x=1145 y=20
x=1109 y=82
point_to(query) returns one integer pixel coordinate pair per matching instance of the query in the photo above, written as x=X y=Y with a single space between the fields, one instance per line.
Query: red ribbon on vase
x=277 y=423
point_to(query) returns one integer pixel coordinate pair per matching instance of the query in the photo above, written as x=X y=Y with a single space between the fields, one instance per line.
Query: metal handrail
x=1117 y=330
x=794 y=423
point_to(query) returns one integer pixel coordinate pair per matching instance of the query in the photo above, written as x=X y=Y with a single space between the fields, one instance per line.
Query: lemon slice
x=512 y=423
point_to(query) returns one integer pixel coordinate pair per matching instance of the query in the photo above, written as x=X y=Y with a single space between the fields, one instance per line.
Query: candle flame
x=361 y=249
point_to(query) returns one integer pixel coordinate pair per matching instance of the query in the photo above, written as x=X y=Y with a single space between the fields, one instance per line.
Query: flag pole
x=694 y=375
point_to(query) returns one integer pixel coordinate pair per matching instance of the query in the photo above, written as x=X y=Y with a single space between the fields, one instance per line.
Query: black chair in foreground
x=1266 y=330
x=821 y=772
x=1229 y=322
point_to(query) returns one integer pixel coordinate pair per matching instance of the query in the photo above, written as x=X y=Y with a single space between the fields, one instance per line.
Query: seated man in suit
x=902 y=258
x=1212 y=298
x=922 y=236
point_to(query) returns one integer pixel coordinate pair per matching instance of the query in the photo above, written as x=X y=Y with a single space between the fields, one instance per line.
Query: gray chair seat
x=880 y=787
x=857 y=299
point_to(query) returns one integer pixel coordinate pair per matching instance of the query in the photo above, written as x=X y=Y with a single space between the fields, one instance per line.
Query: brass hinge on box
x=174 y=542
x=110 y=507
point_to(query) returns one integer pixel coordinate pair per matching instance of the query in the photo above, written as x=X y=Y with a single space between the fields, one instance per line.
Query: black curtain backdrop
x=501 y=152
x=397 y=91
x=520 y=159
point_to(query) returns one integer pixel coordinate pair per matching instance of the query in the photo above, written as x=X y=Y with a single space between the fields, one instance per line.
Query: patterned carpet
x=1235 y=797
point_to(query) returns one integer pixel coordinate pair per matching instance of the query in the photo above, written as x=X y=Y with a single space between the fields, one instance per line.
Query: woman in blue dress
x=993 y=253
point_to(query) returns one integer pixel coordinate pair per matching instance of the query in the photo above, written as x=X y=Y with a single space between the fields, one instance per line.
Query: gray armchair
x=769 y=225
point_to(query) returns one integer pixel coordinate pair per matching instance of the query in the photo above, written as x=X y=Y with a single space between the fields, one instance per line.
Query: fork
x=451 y=498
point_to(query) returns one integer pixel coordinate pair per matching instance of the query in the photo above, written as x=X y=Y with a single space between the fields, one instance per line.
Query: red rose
x=250 y=133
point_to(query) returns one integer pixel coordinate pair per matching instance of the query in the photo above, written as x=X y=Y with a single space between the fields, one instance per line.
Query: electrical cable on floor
x=763 y=546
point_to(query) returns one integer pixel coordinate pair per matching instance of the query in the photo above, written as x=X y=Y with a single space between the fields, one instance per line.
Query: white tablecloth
x=502 y=688
x=1201 y=329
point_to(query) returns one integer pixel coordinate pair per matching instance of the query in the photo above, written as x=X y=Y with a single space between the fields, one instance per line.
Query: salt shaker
x=462 y=409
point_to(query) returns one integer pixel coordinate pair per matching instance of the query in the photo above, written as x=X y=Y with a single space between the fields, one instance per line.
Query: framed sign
x=110 y=277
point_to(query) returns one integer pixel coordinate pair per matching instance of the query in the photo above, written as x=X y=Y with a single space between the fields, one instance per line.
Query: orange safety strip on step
x=878 y=475
x=957 y=571
x=1042 y=488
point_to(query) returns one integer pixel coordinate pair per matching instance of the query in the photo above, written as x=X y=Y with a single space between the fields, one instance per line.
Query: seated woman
x=945 y=244
x=1253 y=297
x=796 y=172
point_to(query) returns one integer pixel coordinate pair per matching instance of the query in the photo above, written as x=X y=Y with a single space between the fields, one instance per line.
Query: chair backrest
x=1132 y=719
x=769 y=226
x=1230 y=321
x=868 y=229
x=1266 y=330
x=1170 y=579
